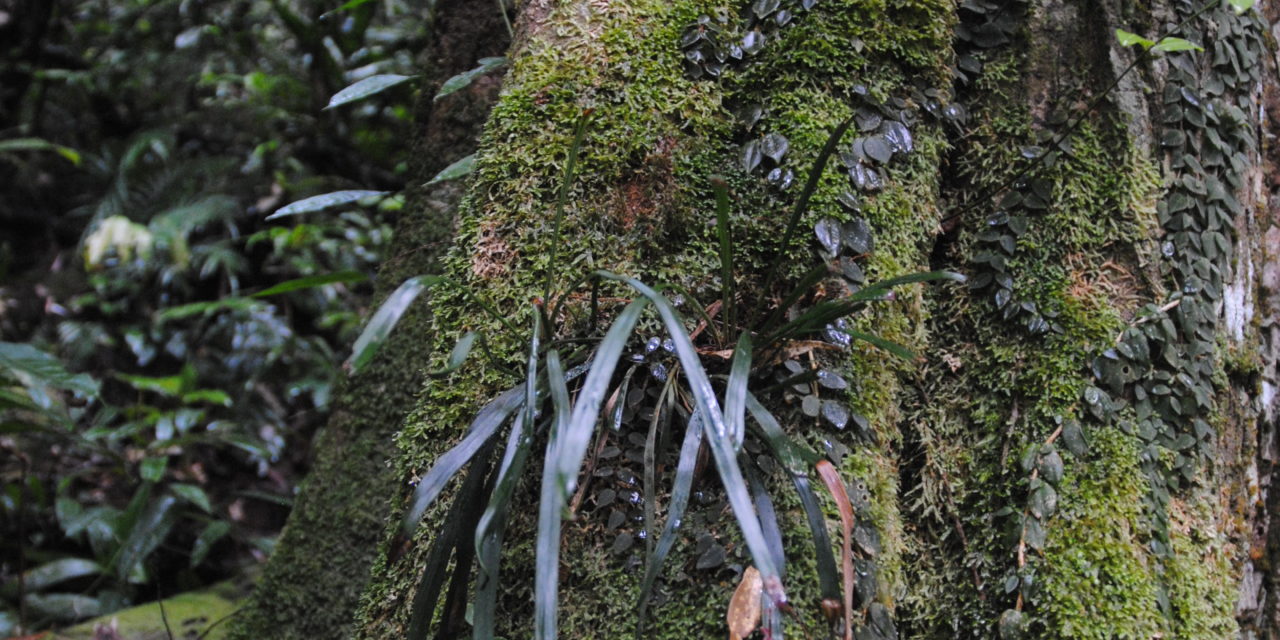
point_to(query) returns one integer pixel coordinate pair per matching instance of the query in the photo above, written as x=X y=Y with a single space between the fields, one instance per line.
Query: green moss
x=1098 y=580
x=640 y=206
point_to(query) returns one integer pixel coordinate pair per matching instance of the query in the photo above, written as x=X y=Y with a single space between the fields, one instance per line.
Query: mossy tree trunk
x=1087 y=436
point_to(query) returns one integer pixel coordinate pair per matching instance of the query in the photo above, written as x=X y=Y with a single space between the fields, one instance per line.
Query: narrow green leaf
x=165 y=385
x=482 y=428
x=367 y=87
x=39 y=144
x=888 y=345
x=736 y=391
x=182 y=312
x=802 y=203
x=458 y=355
x=764 y=509
x=718 y=434
x=796 y=459
x=1129 y=39
x=62 y=607
x=456 y=170
x=347 y=6
x=564 y=458
x=464 y=79
x=724 y=232
x=462 y=516
x=492 y=525
x=680 y=491
x=566 y=181
x=325 y=201
x=385 y=319
x=311 y=282
x=1241 y=6
x=1170 y=44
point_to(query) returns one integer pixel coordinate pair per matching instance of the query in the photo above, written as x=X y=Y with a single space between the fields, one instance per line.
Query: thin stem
x=502 y=11
x=571 y=164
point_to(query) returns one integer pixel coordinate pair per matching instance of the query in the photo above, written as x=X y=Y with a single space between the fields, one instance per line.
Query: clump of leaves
x=567 y=396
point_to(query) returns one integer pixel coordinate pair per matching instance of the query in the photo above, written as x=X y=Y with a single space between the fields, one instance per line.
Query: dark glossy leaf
x=835 y=412
x=827 y=230
x=774 y=146
x=878 y=149
x=1011 y=626
x=1050 y=467
x=898 y=137
x=753 y=42
x=148 y=531
x=1073 y=437
x=750 y=156
x=367 y=87
x=762 y=8
x=856 y=234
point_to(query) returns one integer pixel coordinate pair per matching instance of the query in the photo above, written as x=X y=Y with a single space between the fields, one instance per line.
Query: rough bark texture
x=1161 y=526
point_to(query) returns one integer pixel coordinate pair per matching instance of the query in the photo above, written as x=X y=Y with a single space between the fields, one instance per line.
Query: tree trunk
x=1084 y=447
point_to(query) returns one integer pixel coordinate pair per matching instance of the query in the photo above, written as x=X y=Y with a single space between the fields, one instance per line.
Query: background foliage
x=157 y=388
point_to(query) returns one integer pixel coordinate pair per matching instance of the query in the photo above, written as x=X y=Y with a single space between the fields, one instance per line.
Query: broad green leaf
x=164 y=385
x=148 y=531
x=367 y=87
x=35 y=367
x=152 y=469
x=1128 y=39
x=1170 y=43
x=456 y=170
x=311 y=282
x=462 y=80
x=62 y=607
x=193 y=494
x=385 y=319
x=1241 y=6
x=212 y=533
x=39 y=144
x=52 y=573
x=324 y=201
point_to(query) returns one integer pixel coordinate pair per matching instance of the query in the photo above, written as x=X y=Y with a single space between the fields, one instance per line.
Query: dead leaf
x=744 y=606
x=835 y=485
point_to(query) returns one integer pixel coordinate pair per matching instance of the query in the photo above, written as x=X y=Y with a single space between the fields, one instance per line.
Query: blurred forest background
x=166 y=352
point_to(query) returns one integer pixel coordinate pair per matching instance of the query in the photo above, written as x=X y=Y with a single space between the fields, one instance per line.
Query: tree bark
x=1087 y=438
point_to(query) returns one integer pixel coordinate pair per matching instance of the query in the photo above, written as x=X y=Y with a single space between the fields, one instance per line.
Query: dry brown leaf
x=744 y=606
x=835 y=485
